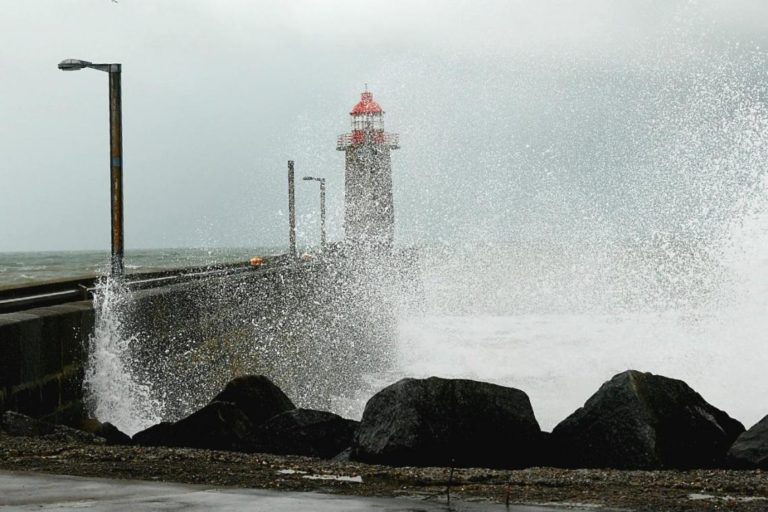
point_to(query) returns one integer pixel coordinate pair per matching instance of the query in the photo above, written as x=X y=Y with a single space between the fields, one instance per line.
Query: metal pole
x=291 y=209
x=322 y=214
x=116 y=168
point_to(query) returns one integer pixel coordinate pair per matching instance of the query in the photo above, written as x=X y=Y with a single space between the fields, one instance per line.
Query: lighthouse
x=369 y=214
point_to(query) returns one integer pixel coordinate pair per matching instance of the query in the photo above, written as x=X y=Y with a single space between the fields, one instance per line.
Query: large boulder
x=228 y=422
x=644 y=421
x=750 y=451
x=304 y=432
x=444 y=422
x=256 y=396
x=160 y=434
x=217 y=426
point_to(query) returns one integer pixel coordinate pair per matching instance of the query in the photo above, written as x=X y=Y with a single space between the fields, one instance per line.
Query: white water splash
x=111 y=391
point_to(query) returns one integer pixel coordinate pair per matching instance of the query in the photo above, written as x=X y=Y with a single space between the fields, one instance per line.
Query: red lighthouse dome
x=367 y=125
x=366 y=105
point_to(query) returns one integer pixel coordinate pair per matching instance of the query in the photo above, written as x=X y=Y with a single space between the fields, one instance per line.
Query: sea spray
x=111 y=391
x=612 y=228
x=671 y=279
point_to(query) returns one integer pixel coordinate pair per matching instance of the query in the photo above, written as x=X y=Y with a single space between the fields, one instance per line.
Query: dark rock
x=156 y=435
x=111 y=434
x=443 y=422
x=644 y=421
x=217 y=426
x=343 y=456
x=227 y=423
x=16 y=424
x=304 y=432
x=750 y=451
x=546 y=454
x=256 y=396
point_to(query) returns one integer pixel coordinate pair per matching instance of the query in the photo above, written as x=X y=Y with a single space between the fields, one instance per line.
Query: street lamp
x=322 y=207
x=116 y=153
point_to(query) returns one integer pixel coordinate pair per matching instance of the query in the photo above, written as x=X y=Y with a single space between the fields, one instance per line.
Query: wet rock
x=110 y=433
x=217 y=426
x=256 y=396
x=343 y=456
x=546 y=453
x=644 y=421
x=443 y=422
x=16 y=424
x=304 y=432
x=227 y=423
x=750 y=451
x=156 y=435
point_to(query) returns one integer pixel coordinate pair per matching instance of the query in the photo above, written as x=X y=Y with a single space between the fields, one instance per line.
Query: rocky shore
x=641 y=442
x=698 y=490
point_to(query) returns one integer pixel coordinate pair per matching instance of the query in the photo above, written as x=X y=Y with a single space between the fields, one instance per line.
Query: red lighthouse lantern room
x=367 y=125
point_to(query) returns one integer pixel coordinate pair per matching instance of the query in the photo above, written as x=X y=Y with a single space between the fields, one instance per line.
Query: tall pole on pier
x=322 y=214
x=116 y=168
x=322 y=208
x=115 y=153
x=291 y=209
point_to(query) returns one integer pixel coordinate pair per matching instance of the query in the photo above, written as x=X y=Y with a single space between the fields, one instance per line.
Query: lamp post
x=291 y=210
x=322 y=207
x=116 y=153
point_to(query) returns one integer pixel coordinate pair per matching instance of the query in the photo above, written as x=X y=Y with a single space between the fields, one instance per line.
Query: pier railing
x=60 y=292
x=391 y=140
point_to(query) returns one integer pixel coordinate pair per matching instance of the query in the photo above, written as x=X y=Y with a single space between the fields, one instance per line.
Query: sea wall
x=312 y=326
x=42 y=359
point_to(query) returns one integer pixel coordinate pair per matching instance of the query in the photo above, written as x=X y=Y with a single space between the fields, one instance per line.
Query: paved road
x=34 y=491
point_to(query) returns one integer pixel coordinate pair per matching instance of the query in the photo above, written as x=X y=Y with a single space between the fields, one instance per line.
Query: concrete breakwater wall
x=42 y=358
x=314 y=327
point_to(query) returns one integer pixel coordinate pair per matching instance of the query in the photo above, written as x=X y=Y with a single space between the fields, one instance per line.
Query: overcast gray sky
x=517 y=118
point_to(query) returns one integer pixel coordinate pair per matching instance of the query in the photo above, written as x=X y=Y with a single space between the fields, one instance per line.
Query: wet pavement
x=34 y=491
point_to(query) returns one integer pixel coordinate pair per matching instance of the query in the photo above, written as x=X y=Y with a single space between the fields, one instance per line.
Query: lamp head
x=73 y=64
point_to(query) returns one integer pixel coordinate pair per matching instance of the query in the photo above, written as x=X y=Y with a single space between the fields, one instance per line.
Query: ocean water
x=27 y=268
